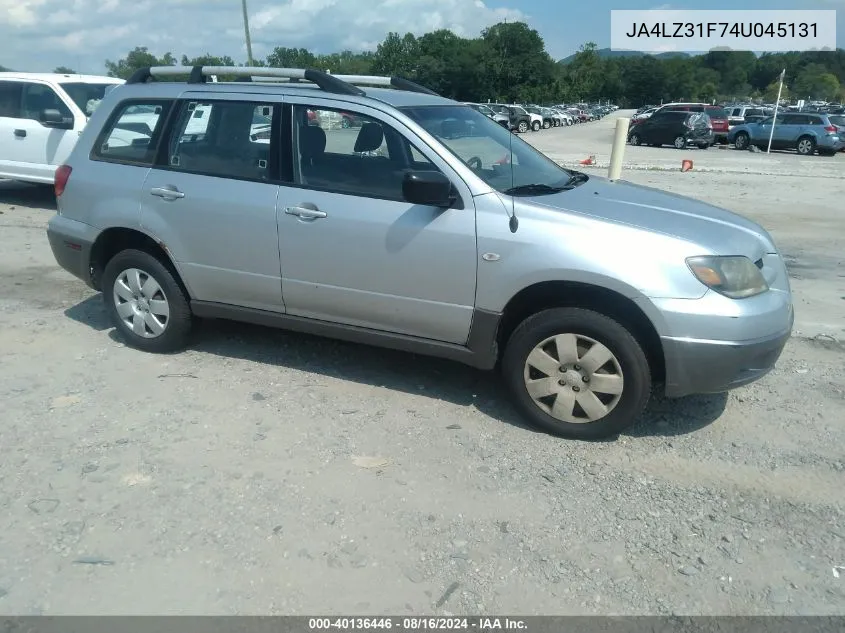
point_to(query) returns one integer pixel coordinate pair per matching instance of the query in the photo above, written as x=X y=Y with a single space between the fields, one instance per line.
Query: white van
x=41 y=118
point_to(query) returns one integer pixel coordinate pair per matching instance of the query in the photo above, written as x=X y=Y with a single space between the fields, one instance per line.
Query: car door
x=648 y=127
x=41 y=144
x=787 y=131
x=353 y=251
x=211 y=199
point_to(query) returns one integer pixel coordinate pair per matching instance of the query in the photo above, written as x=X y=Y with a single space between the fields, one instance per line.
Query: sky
x=39 y=35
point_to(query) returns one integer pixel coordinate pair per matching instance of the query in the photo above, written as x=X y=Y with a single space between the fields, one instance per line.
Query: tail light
x=831 y=128
x=62 y=175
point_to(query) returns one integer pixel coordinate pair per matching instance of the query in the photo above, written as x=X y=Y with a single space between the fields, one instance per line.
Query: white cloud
x=86 y=32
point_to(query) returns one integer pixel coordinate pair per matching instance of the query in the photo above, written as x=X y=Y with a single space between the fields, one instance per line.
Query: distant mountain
x=606 y=52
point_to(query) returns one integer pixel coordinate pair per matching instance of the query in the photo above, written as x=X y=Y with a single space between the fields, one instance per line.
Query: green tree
x=139 y=57
x=816 y=82
x=770 y=94
x=283 y=57
x=64 y=70
x=396 y=55
x=517 y=63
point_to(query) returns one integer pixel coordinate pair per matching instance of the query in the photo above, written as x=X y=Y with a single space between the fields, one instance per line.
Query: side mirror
x=52 y=118
x=430 y=188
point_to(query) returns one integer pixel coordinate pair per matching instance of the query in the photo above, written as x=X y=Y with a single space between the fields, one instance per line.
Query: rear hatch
x=718 y=117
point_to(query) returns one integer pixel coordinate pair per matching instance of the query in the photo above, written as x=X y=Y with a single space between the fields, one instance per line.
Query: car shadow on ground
x=399 y=371
x=21 y=194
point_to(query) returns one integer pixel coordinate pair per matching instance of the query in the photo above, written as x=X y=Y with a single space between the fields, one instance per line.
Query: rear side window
x=229 y=139
x=10 y=99
x=716 y=113
x=132 y=133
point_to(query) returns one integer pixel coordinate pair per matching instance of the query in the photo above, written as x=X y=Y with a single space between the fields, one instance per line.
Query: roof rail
x=337 y=84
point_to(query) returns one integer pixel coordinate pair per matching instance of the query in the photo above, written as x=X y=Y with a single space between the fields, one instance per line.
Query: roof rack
x=337 y=84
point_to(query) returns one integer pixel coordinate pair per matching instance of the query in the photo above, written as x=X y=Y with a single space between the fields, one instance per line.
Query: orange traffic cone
x=686 y=165
x=591 y=160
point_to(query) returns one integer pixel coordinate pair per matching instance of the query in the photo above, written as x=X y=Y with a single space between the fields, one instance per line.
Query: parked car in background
x=41 y=117
x=805 y=132
x=839 y=121
x=677 y=128
x=546 y=120
x=499 y=117
x=717 y=114
x=431 y=230
x=519 y=119
x=641 y=116
x=739 y=114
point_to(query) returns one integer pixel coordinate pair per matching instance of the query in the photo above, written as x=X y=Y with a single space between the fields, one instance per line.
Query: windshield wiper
x=535 y=188
x=576 y=178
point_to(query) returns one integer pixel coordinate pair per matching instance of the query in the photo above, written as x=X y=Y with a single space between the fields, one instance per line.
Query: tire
x=634 y=139
x=535 y=126
x=806 y=146
x=680 y=142
x=589 y=328
x=345 y=123
x=742 y=140
x=522 y=126
x=546 y=124
x=169 y=296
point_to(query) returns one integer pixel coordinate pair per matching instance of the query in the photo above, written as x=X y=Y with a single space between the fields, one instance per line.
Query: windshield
x=502 y=159
x=87 y=96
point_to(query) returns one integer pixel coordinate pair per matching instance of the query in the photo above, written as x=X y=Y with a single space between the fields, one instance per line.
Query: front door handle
x=20 y=133
x=168 y=192
x=305 y=213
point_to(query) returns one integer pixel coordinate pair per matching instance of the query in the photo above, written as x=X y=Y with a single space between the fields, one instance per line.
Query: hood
x=716 y=230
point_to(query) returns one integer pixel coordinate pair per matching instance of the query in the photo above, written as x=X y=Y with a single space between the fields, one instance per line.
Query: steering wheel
x=475 y=163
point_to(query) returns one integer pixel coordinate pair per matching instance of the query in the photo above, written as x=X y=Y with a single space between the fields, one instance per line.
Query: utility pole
x=246 y=34
x=775 y=117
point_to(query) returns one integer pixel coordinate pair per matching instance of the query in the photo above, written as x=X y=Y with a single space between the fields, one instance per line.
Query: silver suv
x=426 y=228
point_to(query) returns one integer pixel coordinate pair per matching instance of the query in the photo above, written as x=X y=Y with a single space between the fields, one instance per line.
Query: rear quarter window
x=132 y=133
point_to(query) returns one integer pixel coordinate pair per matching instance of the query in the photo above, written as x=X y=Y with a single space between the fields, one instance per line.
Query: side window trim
x=155 y=139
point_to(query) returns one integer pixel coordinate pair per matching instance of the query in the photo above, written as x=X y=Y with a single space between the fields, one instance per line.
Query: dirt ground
x=263 y=472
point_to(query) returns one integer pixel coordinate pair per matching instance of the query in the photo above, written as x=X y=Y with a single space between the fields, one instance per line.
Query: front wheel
x=577 y=373
x=146 y=303
x=535 y=126
x=741 y=141
x=634 y=139
x=546 y=125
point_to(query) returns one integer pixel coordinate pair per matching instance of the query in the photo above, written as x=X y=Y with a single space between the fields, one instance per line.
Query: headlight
x=736 y=277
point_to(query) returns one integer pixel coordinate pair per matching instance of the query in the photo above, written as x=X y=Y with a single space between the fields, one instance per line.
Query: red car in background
x=718 y=116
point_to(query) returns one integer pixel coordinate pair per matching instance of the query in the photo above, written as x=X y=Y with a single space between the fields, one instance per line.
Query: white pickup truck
x=41 y=118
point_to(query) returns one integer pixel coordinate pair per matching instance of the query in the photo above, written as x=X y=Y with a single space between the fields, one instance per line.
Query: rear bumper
x=71 y=243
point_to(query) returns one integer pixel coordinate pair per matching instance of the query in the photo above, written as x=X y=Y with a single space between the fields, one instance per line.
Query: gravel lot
x=271 y=473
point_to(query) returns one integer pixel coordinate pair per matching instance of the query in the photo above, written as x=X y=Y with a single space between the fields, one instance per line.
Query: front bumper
x=695 y=366
x=71 y=242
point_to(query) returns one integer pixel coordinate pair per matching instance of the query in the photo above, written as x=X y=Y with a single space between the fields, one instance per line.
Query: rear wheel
x=741 y=141
x=634 y=139
x=523 y=126
x=806 y=146
x=535 y=126
x=146 y=303
x=546 y=124
x=577 y=373
x=680 y=142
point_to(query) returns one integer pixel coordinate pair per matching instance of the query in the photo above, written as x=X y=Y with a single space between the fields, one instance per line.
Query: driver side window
x=38 y=97
x=351 y=153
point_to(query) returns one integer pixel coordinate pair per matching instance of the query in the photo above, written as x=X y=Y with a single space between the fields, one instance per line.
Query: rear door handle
x=305 y=213
x=20 y=133
x=168 y=192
